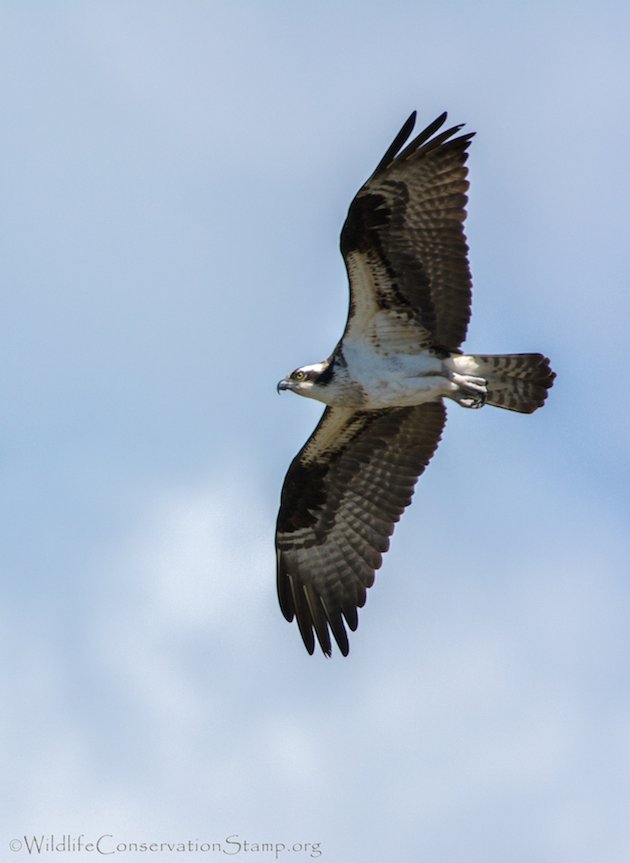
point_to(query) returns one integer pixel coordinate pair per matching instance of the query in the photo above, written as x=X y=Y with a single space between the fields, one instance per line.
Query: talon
x=467 y=402
x=472 y=390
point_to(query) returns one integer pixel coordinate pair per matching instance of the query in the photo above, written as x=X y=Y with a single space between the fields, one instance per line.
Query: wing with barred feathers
x=342 y=496
x=403 y=240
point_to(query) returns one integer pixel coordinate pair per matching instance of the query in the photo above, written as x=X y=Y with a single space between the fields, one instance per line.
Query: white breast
x=390 y=379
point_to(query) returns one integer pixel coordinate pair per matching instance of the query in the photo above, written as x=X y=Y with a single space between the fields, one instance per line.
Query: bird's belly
x=401 y=380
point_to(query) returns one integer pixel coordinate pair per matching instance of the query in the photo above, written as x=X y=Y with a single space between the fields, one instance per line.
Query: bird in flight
x=386 y=381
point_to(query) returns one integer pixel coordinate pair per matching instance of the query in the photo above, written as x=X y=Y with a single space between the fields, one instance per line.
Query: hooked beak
x=284 y=384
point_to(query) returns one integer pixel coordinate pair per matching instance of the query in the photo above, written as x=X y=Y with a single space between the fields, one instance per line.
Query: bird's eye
x=299 y=376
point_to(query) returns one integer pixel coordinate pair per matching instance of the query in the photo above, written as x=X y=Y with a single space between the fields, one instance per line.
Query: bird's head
x=307 y=380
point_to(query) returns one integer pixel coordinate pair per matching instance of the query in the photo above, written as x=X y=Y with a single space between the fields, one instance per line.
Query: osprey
x=385 y=383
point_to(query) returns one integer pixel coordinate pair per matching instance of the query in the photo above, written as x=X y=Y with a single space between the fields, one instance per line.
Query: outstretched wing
x=341 y=498
x=403 y=240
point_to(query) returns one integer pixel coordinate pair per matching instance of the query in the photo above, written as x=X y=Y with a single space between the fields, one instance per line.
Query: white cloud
x=203 y=705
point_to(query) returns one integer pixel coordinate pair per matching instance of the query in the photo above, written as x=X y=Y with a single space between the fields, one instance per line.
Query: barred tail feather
x=516 y=382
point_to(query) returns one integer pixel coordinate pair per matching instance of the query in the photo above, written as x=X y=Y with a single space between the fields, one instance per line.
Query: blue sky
x=174 y=178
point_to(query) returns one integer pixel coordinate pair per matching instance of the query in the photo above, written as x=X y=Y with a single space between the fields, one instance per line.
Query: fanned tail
x=516 y=382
